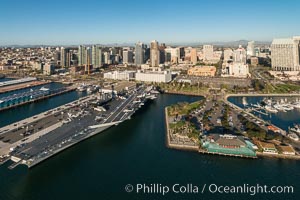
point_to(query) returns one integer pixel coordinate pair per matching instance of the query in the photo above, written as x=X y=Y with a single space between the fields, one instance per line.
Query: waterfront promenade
x=168 y=139
x=251 y=117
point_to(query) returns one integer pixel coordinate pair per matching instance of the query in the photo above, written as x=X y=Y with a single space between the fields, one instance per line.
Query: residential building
x=107 y=59
x=96 y=56
x=82 y=55
x=154 y=54
x=127 y=56
x=240 y=55
x=139 y=54
x=48 y=69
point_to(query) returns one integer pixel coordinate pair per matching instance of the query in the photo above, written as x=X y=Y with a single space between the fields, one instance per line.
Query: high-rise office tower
x=154 y=54
x=127 y=56
x=107 y=59
x=240 y=55
x=139 y=53
x=285 y=54
x=162 y=56
x=96 y=56
x=62 y=57
x=208 y=52
x=250 y=49
x=82 y=55
x=194 y=57
x=65 y=57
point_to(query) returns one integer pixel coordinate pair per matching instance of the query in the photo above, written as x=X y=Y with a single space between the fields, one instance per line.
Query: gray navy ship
x=35 y=139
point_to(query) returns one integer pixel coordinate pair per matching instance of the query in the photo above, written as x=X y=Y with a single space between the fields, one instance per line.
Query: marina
x=272 y=109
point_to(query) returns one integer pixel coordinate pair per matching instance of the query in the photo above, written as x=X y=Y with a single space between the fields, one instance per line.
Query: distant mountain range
x=193 y=44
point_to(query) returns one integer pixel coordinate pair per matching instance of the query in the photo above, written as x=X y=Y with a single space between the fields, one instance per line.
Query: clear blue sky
x=117 y=21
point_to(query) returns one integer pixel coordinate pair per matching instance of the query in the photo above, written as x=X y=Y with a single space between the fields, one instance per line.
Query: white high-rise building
x=250 y=49
x=240 y=55
x=208 y=52
x=107 y=58
x=228 y=54
x=285 y=54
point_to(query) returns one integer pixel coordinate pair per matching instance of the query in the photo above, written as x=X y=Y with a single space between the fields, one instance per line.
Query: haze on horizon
x=67 y=22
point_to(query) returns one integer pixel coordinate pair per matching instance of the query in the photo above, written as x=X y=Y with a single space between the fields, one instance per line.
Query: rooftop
x=283 y=41
x=267 y=145
x=287 y=149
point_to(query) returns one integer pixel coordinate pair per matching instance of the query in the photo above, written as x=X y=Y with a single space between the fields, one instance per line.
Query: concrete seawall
x=175 y=146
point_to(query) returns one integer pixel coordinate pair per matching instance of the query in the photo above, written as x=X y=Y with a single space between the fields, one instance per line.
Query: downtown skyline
x=93 y=22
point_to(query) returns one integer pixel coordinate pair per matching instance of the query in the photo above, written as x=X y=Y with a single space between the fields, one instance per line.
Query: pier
x=9 y=88
x=258 y=121
x=25 y=98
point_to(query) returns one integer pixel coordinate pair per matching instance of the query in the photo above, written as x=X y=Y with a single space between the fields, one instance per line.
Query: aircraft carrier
x=35 y=139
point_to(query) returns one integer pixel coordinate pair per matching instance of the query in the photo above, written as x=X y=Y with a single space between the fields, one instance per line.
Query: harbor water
x=134 y=152
x=281 y=119
x=18 y=113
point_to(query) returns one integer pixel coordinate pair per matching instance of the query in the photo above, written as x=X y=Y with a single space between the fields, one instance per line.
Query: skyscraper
x=240 y=55
x=194 y=56
x=62 y=57
x=82 y=55
x=208 y=52
x=154 y=54
x=127 y=56
x=96 y=56
x=107 y=59
x=139 y=54
x=285 y=54
x=65 y=57
x=250 y=49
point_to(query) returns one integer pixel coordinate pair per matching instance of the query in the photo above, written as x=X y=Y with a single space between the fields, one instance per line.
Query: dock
x=26 y=99
x=9 y=88
x=258 y=121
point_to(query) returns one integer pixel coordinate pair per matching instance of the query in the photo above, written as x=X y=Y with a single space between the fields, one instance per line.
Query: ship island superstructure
x=37 y=138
